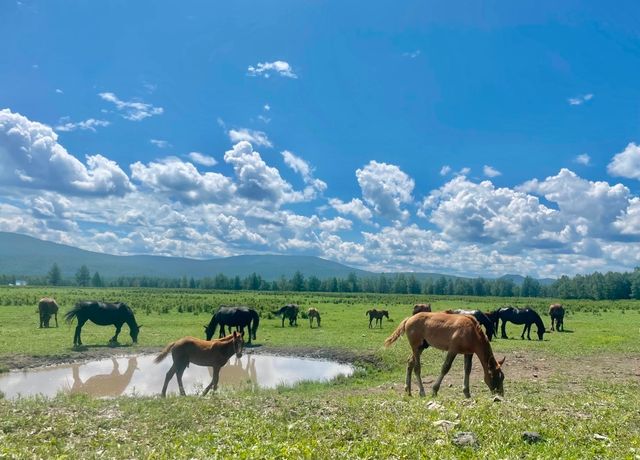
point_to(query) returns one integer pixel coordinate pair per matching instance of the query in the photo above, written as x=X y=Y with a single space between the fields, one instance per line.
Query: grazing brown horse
x=214 y=353
x=47 y=307
x=421 y=308
x=313 y=313
x=377 y=315
x=455 y=334
x=556 y=312
x=289 y=311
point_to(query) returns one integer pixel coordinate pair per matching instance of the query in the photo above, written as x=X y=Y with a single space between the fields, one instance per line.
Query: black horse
x=556 y=312
x=103 y=314
x=238 y=317
x=525 y=316
x=377 y=315
x=289 y=311
x=481 y=317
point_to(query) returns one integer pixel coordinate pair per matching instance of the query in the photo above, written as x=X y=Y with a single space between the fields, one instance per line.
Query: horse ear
x=501 y=362
x=235 y=334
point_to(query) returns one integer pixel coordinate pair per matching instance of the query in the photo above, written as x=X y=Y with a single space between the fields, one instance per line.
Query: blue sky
x=465 y=139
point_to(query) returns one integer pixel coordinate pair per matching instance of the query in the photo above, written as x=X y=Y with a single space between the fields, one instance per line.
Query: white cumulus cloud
x=490 y=171
x=266 y=69
x=202 y=159
x=31 y=157
x=385 y=188
x=255 y=137
x=626 y=163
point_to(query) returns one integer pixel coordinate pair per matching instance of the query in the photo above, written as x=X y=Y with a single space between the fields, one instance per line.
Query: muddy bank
x=92 y=353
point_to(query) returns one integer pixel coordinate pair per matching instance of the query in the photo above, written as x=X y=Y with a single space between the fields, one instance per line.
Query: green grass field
x=578 y=389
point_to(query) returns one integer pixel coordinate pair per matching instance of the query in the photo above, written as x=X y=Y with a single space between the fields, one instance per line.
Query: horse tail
x=163 y=354
x=68 y=316
x=396 y=334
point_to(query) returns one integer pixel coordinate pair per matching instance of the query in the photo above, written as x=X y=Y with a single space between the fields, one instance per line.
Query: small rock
x=531 y=436
x=465 y=439
x=432 y=405
x=445 y=424
x=600 y=437
x=498 y=398
x=440 y=442
x=535 y=376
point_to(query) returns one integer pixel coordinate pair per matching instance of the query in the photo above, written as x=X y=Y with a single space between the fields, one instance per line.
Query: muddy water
x=139 y=375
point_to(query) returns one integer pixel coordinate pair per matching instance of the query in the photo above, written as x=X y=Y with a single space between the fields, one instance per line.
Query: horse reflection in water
x=236 y=373
x=105 y=385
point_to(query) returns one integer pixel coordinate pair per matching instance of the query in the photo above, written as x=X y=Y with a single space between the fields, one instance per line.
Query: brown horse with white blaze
x=455 y=334
x=214 y=353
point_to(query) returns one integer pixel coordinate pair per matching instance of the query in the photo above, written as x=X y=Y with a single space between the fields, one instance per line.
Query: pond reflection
x=139 y=375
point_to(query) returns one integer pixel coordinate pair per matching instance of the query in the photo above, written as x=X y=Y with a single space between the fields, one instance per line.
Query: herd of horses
x=454 y=331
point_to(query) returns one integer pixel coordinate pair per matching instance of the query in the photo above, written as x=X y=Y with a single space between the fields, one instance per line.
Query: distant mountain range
x=23 y=255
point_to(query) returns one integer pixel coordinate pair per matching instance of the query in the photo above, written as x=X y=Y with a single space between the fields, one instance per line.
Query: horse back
x=458 y=333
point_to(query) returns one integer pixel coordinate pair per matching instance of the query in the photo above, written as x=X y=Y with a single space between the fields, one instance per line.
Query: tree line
x=597 y=286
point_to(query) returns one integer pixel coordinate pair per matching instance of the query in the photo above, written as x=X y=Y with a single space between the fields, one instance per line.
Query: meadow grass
x=571 y=388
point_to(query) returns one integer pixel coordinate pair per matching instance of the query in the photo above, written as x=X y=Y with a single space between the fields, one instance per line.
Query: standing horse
x=525 y=316
x=313 y=313
x=289 y=311
x=47 y=307
x=103 y=314
x=238 y=317
x=377 y=315
x=556 y=312
x=481 y=317
x=455 y=334
x=493 y=317
x=421 y=308
x=188 y=350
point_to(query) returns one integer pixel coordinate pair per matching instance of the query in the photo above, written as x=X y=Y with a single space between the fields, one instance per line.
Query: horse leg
x=214 y=381
x=76 y=338
x=179 y=372
x=504 y=329
x=115 y=337
x=468 y=359
x=56 y=314
x=445 y=368
x=168 y=378
x=552 y=319
x=410 y=366
x=417 y=369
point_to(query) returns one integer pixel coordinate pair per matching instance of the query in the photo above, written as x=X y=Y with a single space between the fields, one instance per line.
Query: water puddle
x=139 y=375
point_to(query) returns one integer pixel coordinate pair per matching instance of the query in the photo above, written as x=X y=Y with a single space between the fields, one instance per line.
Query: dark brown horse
x=377 y=315
x=290 y=312
x=214 y=353
x=313 y=313
x=455 y=334
x=556 y=312
x=421 y=308
x=47 y=307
